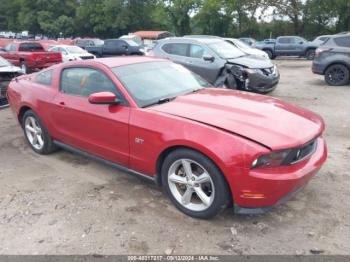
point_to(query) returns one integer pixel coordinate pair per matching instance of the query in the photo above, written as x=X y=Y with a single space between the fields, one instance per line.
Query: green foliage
x=112 y=18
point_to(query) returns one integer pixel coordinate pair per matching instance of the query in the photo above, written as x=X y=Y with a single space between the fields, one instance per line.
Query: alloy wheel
x=34 y=133
x=336 y=75
x=191 y=185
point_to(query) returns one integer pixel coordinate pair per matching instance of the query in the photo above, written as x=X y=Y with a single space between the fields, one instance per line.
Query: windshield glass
x=131 y=42
x=75 y=50
x=226 y=50
x=4 y=62
x=241 y=44
x=151 y=82
x=98 y=42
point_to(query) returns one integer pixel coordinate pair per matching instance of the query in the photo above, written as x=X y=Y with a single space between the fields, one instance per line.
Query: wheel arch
x=21 y=113
x=168 y=150
x=338 y=62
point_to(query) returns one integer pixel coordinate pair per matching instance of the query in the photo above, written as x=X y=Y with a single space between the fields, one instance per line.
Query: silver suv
x=220 y=63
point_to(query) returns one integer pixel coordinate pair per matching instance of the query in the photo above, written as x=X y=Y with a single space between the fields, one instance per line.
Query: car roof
x=340 y=35
x=190 y=39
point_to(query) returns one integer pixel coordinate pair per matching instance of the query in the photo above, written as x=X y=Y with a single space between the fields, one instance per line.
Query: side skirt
x=104 y=161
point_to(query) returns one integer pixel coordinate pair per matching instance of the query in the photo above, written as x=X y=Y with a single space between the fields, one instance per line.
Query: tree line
x=112 y=18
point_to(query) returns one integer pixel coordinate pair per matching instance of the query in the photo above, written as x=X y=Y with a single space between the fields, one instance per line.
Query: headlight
x=252 y=71
x=271 y=160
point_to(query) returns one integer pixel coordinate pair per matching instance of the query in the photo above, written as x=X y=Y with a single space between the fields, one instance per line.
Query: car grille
x=86 y=57
x=299 y=154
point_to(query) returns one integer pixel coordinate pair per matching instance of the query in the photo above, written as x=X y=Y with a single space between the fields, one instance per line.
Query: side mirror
x=103 y=98
x=208 y=58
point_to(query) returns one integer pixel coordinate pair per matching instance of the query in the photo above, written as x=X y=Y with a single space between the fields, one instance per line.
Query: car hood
x=256 y=52
x=9 y=69
x=251 y=61
x=265 y=120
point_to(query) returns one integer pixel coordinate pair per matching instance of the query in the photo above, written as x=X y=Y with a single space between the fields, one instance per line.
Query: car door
x=99 y=129
x=198 y=62
x=283 y=46
x=109 y=48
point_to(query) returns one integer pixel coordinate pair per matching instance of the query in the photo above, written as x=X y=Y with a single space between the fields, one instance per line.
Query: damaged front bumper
x=261 y=80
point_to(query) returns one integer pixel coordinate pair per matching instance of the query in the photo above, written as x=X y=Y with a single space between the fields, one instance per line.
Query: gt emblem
x=138 y=140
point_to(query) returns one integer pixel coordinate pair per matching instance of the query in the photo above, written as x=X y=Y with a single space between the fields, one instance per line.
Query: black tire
x=310 y=54
x=221 y=197
x=48 y=146
x=269 y=53
x=337 y=75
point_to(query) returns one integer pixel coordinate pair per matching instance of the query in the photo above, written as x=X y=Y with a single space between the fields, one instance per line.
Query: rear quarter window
x=284 y=40
x=44 y=78
x=29 y=47
x=342 y=41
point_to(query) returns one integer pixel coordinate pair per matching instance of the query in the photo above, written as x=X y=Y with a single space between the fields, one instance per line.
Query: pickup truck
x=29 y=56
x=289 y=46
x=115 y=47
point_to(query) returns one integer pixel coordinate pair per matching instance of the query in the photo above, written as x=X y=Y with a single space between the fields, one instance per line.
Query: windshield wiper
x=160 y=101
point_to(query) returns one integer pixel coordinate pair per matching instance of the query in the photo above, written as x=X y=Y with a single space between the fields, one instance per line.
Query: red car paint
x=230 y=127
x=38 y=59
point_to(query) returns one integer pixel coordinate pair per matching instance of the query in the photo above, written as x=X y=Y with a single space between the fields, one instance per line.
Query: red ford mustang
x=209 y=148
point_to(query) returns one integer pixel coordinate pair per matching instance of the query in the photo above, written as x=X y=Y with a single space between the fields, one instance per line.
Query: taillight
x=320 y=50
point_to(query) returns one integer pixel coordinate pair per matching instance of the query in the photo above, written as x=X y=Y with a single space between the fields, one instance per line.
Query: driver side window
x=196 y=51
x=80 y=81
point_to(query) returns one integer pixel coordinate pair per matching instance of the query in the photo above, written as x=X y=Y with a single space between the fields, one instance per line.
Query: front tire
x=269 y=53
x=36 y=134
x=194 y=184
x=310 y=54
x=337 y=75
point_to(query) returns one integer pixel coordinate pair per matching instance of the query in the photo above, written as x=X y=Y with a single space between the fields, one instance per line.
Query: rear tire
x=194 y=184
x=337 y=75
x=36 y=134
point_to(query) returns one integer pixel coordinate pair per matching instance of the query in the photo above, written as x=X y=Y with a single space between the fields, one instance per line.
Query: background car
x=7 y=73
x=246 y=48
x=333 y=60
x=29 y=56
x=224 y=147
x=289 y=46
x=71 y=53
x=220 y=63
x=116 y=47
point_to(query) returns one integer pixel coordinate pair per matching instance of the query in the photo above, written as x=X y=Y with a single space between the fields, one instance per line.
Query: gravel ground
x=65 y=204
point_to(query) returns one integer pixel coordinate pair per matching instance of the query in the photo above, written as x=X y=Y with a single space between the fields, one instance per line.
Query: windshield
x=149 y=83
x=75 y=50
x=98 y=42
x=4 y=62
x=226 y=50
x=131 y=42
x=241 y=44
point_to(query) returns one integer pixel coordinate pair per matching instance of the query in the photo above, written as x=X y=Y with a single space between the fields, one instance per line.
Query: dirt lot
x=65 y=204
